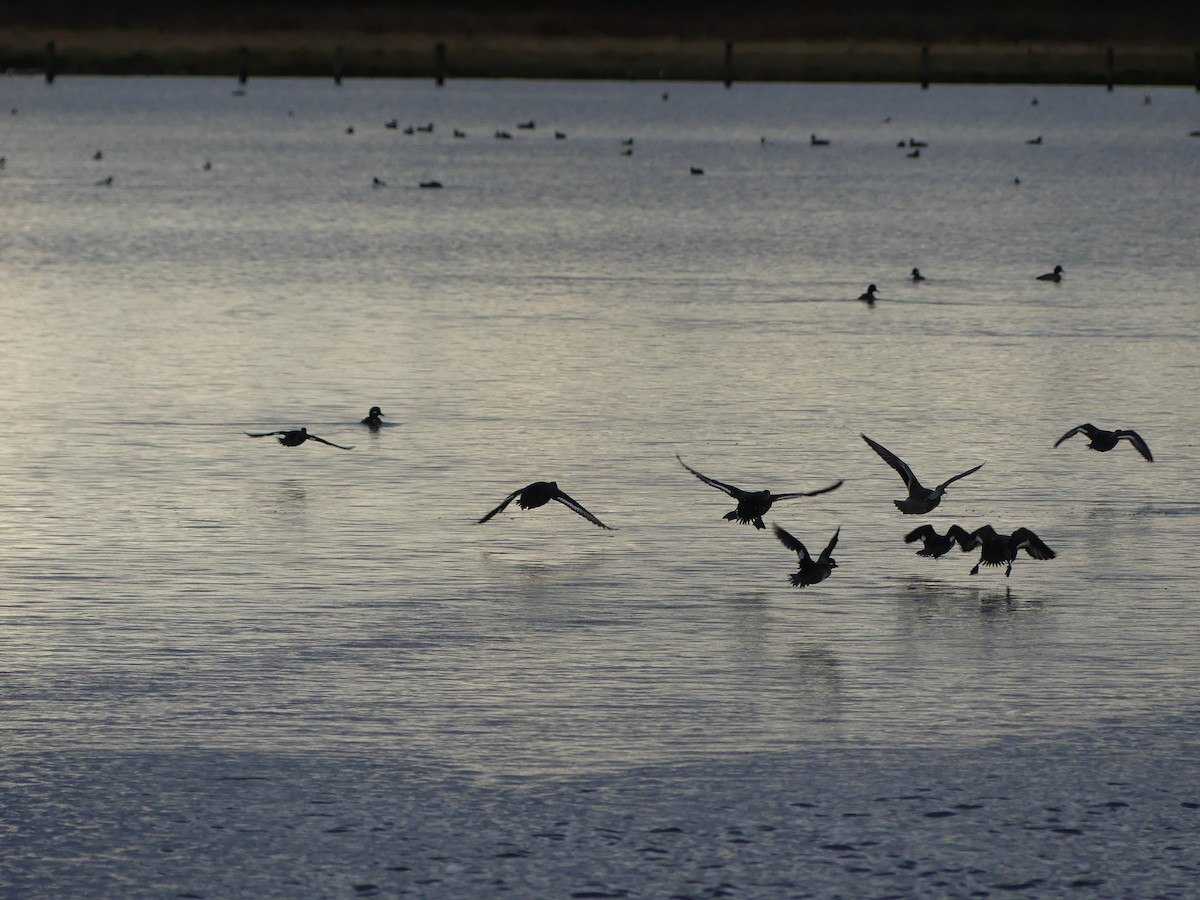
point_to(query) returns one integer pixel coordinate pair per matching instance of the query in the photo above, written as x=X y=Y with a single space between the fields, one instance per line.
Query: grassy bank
x=288 y=53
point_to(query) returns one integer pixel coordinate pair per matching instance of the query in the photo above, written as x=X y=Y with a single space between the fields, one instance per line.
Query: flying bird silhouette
x=539 y=494
x=811 y=570
x=920 y=499
x=1001 y=549
x=753 y=505
x=1105 y=440
x=296 y=437
x=937 y=544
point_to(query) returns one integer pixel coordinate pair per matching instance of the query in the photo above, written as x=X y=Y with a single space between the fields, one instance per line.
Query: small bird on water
x=869 y=296
x=374 y=418
x=295 y=438
x=753 y=505
x=1056 y=275
x=811 y=570
x=920 y=499
x=1105 y=440
x=539 y=494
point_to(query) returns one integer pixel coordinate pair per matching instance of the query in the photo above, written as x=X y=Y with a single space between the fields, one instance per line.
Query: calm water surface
x=562 y=311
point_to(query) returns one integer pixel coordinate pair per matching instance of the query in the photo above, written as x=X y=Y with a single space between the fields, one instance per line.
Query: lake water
x=563 y=311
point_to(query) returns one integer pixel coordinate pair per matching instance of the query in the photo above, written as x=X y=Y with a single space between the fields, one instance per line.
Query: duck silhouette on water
x=812 y=570
x=1001 y=549
x=374 y=418
x=1055 y=276
x=937 y=544
x=868 y=296
x=920 y=499
x=539 y=494
x=917 y=276
x=1104 y=441
x=295 y=438
x=753 y=505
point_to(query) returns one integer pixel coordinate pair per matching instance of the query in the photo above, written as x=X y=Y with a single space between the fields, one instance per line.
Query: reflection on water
x=562 y=312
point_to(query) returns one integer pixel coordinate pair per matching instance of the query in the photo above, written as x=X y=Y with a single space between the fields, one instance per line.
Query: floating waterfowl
x=374 y=418
x=869 y=296
x=391 y=123
x=1056 y=275
x=915 y=143
x=696 y=170
x=1001 y=549
x=376 y=181
x=812 y=570
x=1103 y=441
x=1036 y=140
x=427 y=128
x=818 y=142
x=431 y=184
x=105 y=182
x=459 y=134
x=915 y=154
x=753 y=505
x=917 y=276
x=560 y=135
x=97 y=155
x=539 y=494
x=937 y=544
x=295 y=438
x=920 y=499
x=501 y=135
x=528 y=126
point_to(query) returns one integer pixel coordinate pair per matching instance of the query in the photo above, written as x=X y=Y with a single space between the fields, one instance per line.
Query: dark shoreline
x=354 y=55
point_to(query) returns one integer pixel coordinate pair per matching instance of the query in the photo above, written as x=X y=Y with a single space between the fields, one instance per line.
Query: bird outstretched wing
x=792 y=542
x=1024 y=539
x=828 y=551
x=732 y=491
x=794 y=495
x=895 y=462
x=313 y=437
x=1136 y=439
x=574 y=506
x=949 y=481
x=507 y=500
x=263 y=433
x=1088 y=429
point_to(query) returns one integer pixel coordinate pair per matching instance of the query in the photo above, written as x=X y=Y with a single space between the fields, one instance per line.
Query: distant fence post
x=925 y=68
x=439 y=64
x=728 y=63
x=243 y=64
x=1111 y=68
x=338 y=64
x=52 y=62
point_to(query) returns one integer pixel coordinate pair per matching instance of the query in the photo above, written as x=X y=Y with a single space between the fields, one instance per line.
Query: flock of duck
x=868 y=296
x=996 y=548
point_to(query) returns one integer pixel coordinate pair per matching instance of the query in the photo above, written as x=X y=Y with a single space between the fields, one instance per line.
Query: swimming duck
x=105 y=182
x=431 y=184
x=869 y=296
x=1105 y=440
x=917 y=276
x=1036 y=140
x=378 y=182
x=1056 y=275
x=753 y=505
x=374 y=418
x=818 y=142
x=296 y=437
x=936 y=544
x=528 y=126
x=560 y=135
x=696 y=170
x=391 y=123
x=1001 y=549
x=915 y=154
x=458 y=133
x=811 y=570
x=539 y=494
x=920 y=499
